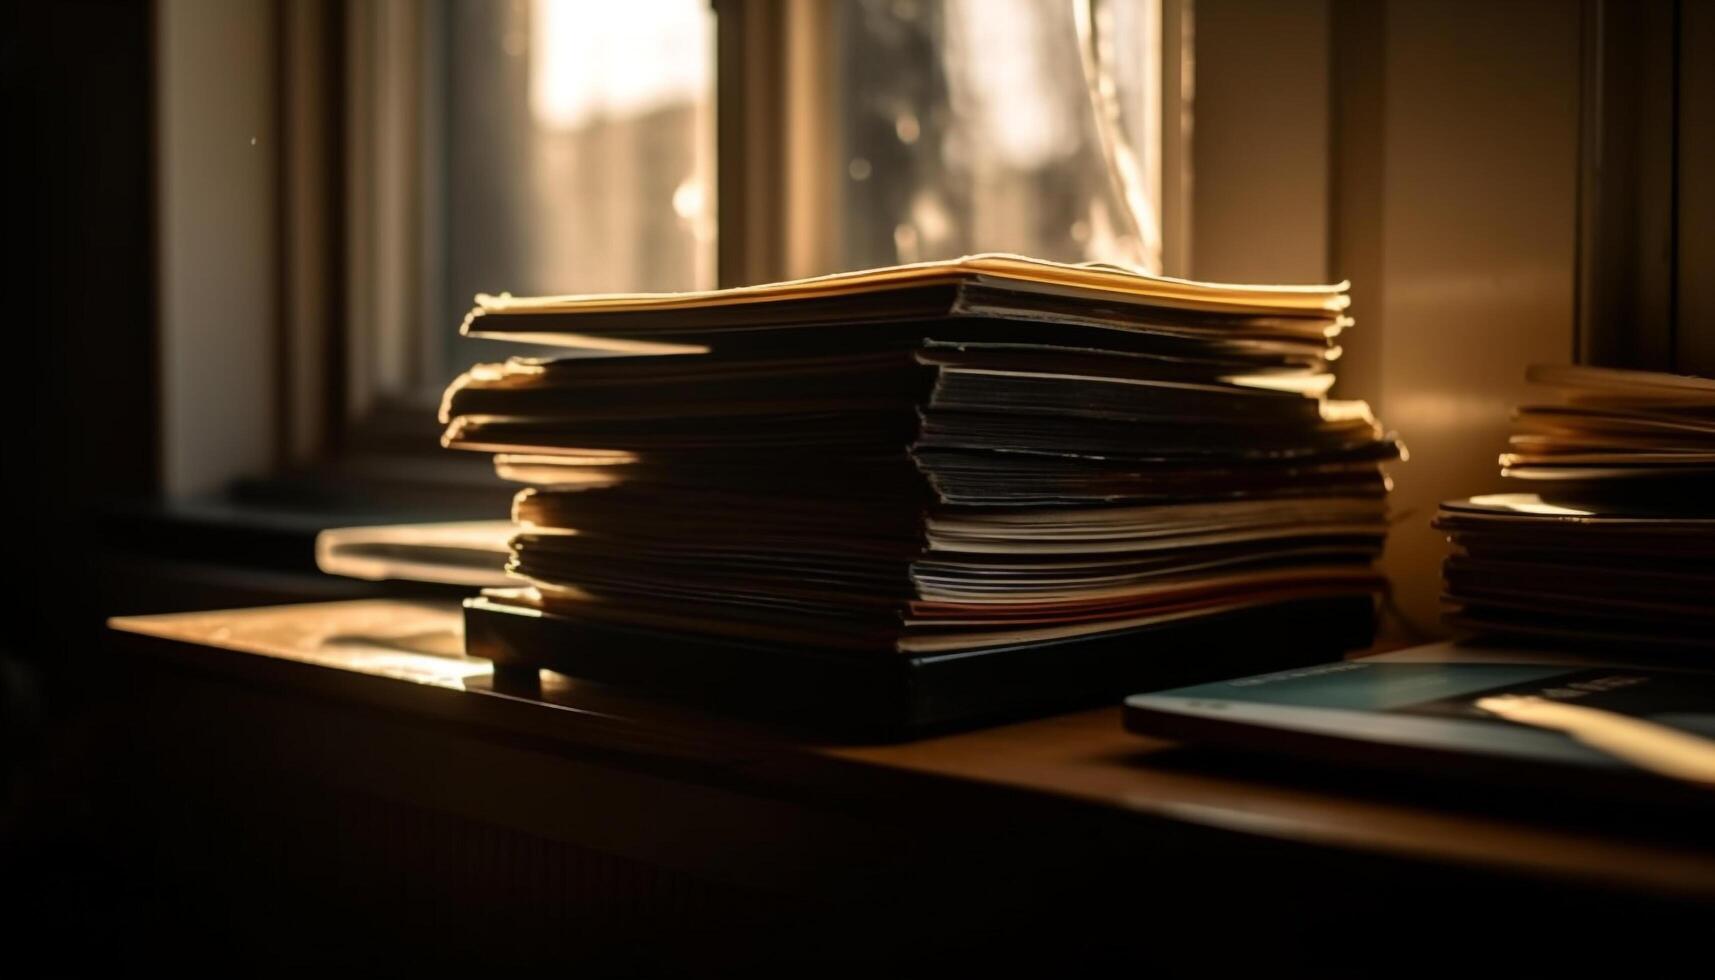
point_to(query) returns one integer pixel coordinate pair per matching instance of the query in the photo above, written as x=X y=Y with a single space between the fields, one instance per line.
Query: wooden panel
x=1358 y=132
x=1695 y=331
x=1626 y=193
x=545 y=775
x=336 y=775
x=250 y=854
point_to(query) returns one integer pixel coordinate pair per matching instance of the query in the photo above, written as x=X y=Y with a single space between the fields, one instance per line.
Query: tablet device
x=1449 y=710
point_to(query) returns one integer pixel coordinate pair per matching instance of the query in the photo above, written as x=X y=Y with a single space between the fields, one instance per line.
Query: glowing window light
x=591 y=59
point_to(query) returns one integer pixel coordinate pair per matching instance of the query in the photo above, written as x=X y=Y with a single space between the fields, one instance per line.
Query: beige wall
x=1473 y=248
x=1427 y=150
x=216 y=178
x=1260 y=141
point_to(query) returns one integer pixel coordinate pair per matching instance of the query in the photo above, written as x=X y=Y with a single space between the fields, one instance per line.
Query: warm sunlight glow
x=1012 y=96
x=1528 y=503
x=592 y=59
x=1652 y=746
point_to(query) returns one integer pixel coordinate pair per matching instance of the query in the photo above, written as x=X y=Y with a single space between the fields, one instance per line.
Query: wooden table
x=581 y=801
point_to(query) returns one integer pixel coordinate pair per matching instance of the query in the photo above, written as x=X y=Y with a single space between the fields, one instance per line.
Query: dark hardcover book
x=831 y=692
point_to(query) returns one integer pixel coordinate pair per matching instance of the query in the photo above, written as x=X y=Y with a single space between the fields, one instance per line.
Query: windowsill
x=384 y=656
x=255 y=544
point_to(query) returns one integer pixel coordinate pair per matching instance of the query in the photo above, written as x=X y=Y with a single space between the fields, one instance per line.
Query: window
x=384 y=161
x=559 y=146
x=546 y=145
x=1503 y=183
x=968 y=126
x=578 y=146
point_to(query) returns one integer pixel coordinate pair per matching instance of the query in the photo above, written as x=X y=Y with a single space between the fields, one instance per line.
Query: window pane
x=578 y=141
x=978 y=125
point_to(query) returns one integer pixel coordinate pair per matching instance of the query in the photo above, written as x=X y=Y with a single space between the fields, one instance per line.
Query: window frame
x=353 y=255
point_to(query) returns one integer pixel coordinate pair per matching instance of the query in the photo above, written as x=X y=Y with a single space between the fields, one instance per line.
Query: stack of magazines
x=985 y=454
x=1617 y=544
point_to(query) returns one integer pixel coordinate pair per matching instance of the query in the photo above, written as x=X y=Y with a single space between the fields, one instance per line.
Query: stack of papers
x=1612 y=425
x=447 y=553
x=951 y=456
x=1618 y=545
